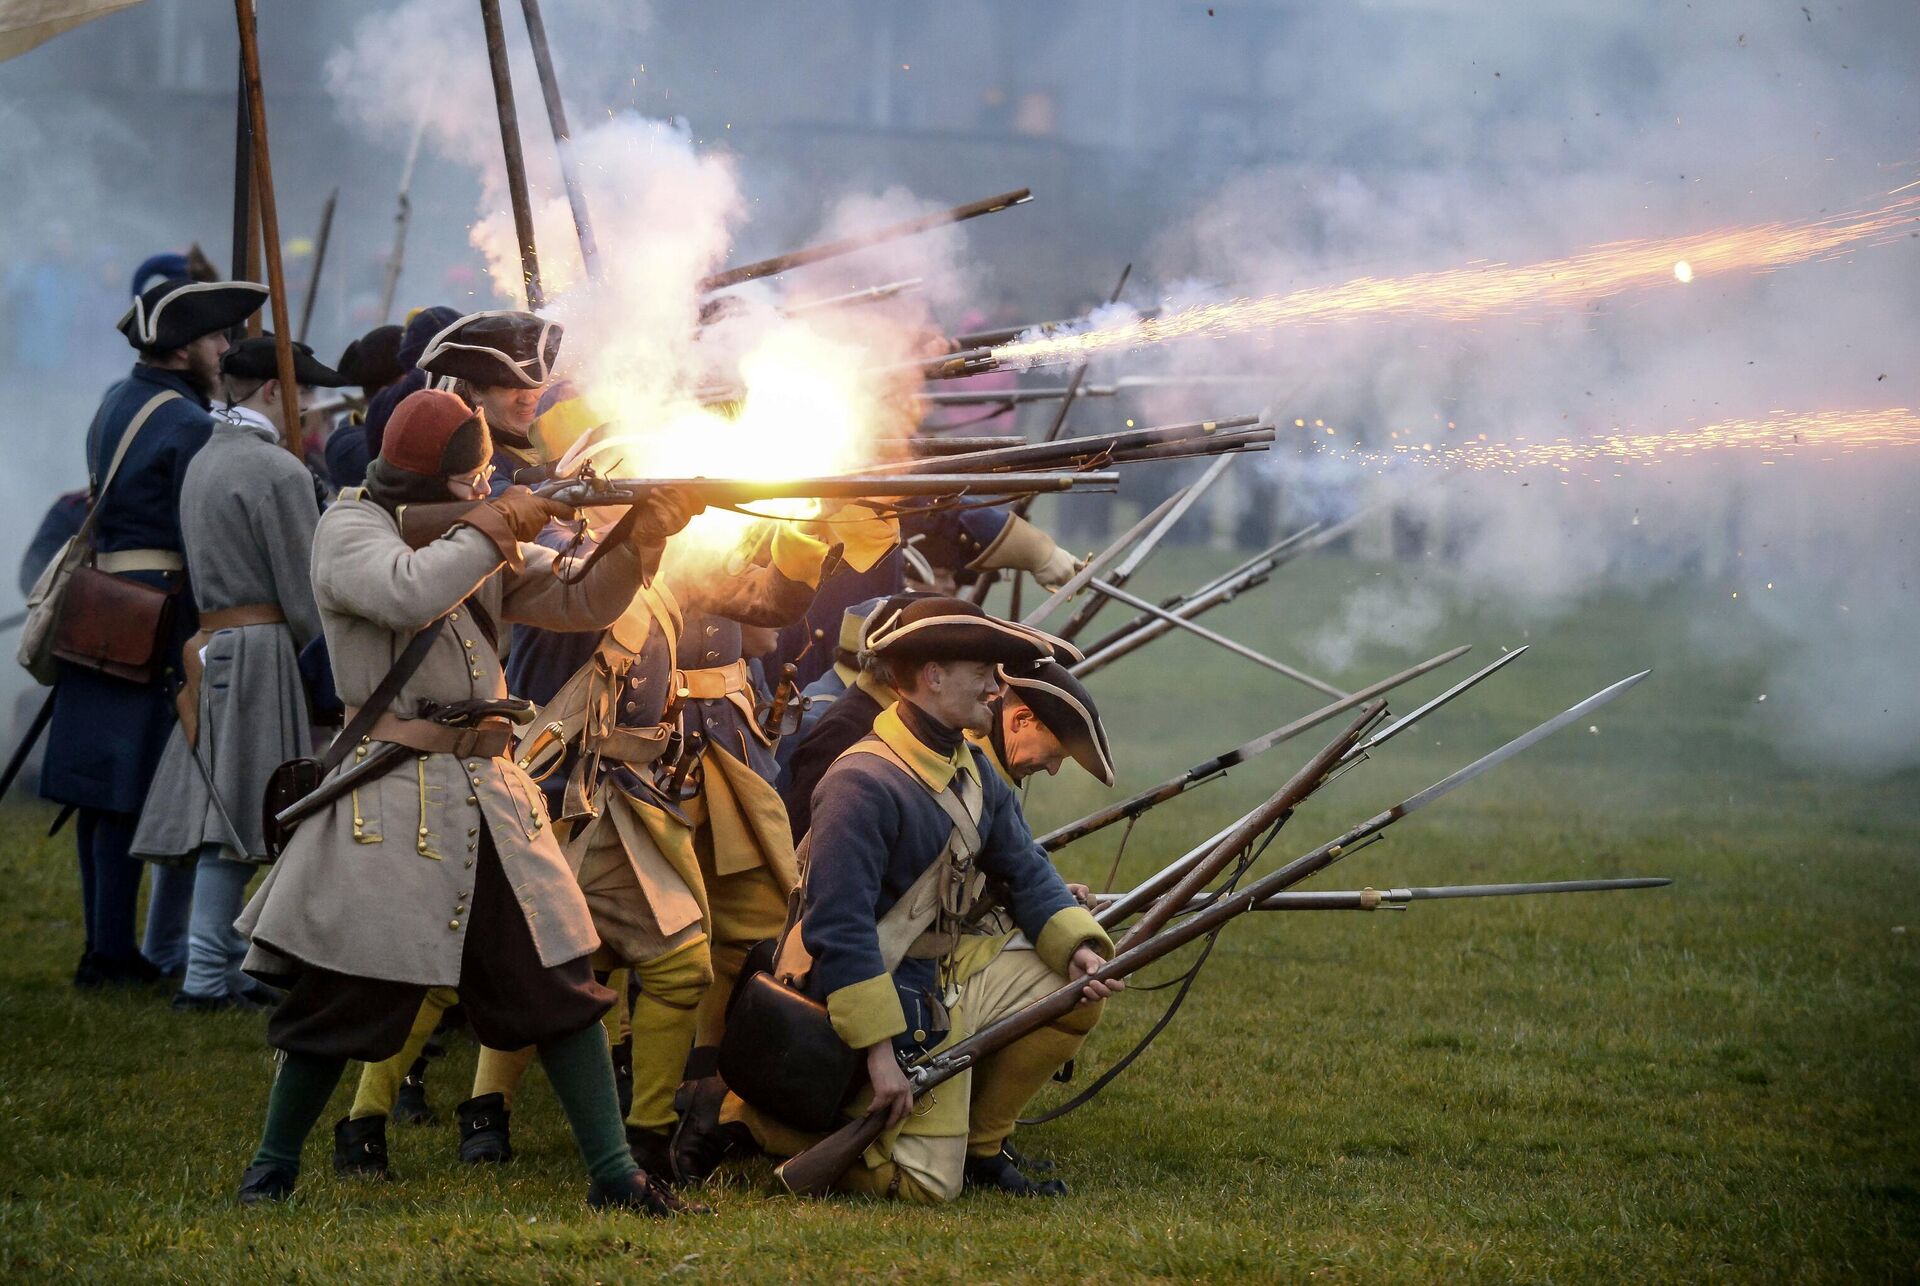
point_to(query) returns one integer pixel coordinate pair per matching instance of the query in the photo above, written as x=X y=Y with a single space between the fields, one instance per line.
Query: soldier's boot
x=360 y=1147
x=701 y=1141
x=998 y=1174
x=485 y=1136
x=1025 y=1163
x=265 y=1182
x=653 y=1152
x=410 y=1106
x=641 y=1193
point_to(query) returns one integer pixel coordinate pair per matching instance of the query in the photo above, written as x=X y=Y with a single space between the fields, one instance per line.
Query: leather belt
x=710 y=684
x=233 y=618
x=487 y=739
x=187 y=700
x=121 y=561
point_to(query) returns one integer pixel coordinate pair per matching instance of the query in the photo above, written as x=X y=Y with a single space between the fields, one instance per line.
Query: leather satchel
x=43 y=637
x=782 y=1055
x=113 y=624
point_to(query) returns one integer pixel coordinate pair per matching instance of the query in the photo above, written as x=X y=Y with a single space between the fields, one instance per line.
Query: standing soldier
x=909 y=826
x=247 y=514
x=444 y=871
x=143 y=437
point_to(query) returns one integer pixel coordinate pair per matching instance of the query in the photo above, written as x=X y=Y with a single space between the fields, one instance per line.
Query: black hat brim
x=258 y=359
x=958 y=638
x=478 y=358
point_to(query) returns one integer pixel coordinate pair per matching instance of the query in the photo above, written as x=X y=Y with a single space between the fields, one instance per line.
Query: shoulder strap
x=133 y=428
x=396 y=678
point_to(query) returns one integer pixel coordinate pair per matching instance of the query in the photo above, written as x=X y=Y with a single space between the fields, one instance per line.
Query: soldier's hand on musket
x=1083 y=895
x=1085 y=961
x=892 y=1091
x=663 y=513
x=1058 y=569
x=525 y=512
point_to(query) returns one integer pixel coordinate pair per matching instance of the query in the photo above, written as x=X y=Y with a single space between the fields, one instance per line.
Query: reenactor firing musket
x=848 y=245
x=1400 y=899
x=1209 y=769
x=813 y=1172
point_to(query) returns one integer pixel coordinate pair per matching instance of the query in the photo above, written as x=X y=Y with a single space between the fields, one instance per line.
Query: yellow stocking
x=1006 y=1081
x=671 y=988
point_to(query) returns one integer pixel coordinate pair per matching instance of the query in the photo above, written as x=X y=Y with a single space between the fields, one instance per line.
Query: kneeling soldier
x=908 y=826
x=443 y=872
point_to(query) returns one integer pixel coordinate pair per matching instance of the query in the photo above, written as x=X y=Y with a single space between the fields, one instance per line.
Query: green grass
x=1711 y=1081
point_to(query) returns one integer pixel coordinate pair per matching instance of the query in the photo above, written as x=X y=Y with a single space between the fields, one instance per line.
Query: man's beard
x=204 y=375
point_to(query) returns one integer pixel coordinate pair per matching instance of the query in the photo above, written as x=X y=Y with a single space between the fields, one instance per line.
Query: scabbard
x=381 y=760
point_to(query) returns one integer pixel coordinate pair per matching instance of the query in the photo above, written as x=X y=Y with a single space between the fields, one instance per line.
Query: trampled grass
x=1714 y=1080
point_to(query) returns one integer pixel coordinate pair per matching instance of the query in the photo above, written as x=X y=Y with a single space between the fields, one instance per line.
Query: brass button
x=473 y=799
x=919 y=1034
x=472 y=831
x=423 y=759
x=453 y=616
x=469 y=863
x=469 y=643
x=453 y=924
x=424 y=832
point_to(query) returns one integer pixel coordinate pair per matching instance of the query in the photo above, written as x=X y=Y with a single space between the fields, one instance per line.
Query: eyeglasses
x=476 y=483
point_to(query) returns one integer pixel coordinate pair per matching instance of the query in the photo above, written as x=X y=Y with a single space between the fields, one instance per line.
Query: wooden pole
x=510 y=147
x=562 y=136
x=319 y=263
x=269 y=229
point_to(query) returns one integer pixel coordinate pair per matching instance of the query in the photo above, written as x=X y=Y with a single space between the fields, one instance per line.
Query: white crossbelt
x=140 y=560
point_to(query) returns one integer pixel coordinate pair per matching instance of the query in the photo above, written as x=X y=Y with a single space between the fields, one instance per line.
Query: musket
x=1209 y=769
x=1124 y=571
x=1201 y=437
x=848 y=245
x=1007 y=334
x=510 y=149
x=1399 y=899
x=403 y=215
x=562 y=137
x=871 y=295
x=1015 y=396
x=1156 y=884
x=422 y=524
x=814 y=1171
x=319 y=263
x=945 y=444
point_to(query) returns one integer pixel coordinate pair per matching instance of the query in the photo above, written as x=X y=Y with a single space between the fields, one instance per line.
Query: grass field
x=1711 y=1081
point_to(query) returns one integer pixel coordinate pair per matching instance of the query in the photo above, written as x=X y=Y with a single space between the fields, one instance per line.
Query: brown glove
x=515 y=515
x=663 y=513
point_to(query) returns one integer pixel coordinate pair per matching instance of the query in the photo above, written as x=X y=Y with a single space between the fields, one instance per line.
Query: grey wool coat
x=378 y=885
x=247 y=515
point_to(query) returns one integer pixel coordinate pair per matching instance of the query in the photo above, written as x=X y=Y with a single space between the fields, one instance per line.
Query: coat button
x=473 y=799
x=453 y=924
x=712 y=630
x=819 y=634
x=453 y=616
x=469 y=643
x=424 y=832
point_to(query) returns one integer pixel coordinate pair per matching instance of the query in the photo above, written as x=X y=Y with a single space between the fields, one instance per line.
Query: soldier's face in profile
x=1031 y=746
x=513 y=409
x=203 y=363
x=956 y=693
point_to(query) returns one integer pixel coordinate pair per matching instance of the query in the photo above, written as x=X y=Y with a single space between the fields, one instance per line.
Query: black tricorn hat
x=937 y=628
x=511 y=349
x=1064 y=705
x=373 y=360
x=180 y=310
x=255 y=359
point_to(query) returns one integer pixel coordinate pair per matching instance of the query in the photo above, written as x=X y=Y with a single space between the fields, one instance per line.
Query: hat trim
x=1095 y=730
x=887 y=635
x=436 y=346
x=147 y=326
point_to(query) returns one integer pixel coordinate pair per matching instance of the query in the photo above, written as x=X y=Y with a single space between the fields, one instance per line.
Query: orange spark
x=1489 y=289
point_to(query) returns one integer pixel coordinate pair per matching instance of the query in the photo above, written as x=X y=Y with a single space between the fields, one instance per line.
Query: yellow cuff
x=1071 y=928
x=867 y=1013
x=1020 y=546
x=863 y=535
x=797 y=555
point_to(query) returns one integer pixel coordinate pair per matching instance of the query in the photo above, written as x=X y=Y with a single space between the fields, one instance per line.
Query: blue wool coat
x=875 y=830
x=106 y=735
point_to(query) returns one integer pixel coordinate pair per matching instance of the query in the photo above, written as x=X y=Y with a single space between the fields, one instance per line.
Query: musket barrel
x=1201 y=434
x=847 y=245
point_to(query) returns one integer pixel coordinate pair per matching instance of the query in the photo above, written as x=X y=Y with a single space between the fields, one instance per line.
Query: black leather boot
x=360 y=1147
x=700 y=1141
x=265 y=1182
x=652 y=1151
x=642 y=1193
x=1023 y=1162
x=484 y=1137
x=410 y=1104
x=997 y=1174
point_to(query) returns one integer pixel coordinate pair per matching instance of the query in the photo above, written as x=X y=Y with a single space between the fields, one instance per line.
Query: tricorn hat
x=1067 y=710
x=256 y=359
x=938 y=628
x=500 y=348
x=436 y=433
x=179 y=310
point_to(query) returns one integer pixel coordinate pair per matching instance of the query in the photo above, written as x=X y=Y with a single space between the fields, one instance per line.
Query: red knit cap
x=436 y=432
